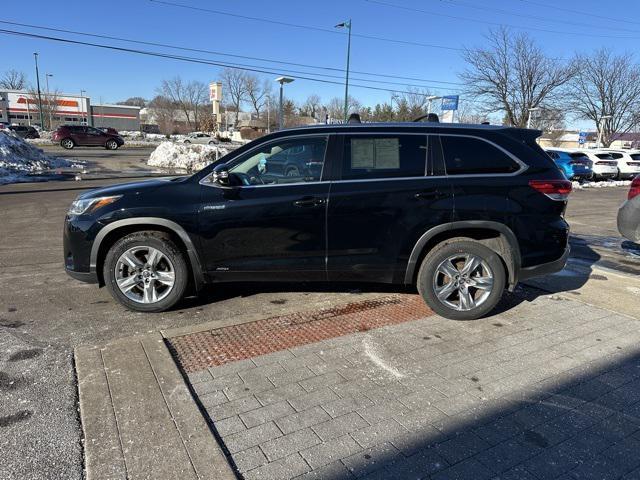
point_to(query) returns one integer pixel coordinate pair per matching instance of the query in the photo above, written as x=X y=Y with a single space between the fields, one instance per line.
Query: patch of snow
x=602 y=184
x=19 y=159
x=189 y=158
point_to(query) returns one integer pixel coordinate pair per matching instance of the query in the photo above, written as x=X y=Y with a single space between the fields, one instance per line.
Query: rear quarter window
x=473 y=156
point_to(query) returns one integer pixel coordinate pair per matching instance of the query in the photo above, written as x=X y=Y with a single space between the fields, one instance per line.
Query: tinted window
x=467 y=156
x=604 y=156
x=384 y=156
x=635 y=156
x=284 y=161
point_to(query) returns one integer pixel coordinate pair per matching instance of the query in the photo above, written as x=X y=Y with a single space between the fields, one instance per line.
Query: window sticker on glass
x=362 y=153
x=387 y=153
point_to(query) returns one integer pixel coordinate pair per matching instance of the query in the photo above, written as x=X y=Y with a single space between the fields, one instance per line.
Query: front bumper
x=545 y=268
x=629 y=219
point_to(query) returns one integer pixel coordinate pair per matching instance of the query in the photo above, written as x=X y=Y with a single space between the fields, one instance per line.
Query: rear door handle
x=309 y=202
x=431 y=195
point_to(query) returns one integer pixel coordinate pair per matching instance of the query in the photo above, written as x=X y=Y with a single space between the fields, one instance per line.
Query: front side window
x=473 y=156
x=282 y=162
x=384 y=156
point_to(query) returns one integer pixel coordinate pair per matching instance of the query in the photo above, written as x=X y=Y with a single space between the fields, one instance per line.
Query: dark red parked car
x=70 y=136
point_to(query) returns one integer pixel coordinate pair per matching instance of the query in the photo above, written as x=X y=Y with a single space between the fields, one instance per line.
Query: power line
x=193 y=60
x=463 y=4
x=578 y=12
x=306 y=27
x=212 y=52
x=500 y=24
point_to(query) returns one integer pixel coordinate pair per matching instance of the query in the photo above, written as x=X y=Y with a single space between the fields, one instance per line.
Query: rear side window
x=635 y=156
x=384 y=156
x=472 y=156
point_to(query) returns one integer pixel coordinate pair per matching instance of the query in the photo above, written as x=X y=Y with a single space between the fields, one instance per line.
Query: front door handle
x=309 y=202
x=431 y=195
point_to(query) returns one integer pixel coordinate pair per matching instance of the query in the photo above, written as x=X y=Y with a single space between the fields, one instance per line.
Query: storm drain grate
x=229 y=344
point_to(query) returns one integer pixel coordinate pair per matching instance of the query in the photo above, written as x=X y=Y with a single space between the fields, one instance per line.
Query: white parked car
x=201 y=138
x=604 y=165
x=628 y=162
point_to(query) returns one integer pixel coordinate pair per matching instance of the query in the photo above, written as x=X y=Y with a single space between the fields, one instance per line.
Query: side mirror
x=220 y=175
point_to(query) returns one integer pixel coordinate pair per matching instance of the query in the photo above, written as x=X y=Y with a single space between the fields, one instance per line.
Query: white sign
x=215 y=91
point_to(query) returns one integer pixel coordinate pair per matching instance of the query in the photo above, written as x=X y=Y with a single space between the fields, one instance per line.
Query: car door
x=392 y=189
x=268 y=226
x=94 y=136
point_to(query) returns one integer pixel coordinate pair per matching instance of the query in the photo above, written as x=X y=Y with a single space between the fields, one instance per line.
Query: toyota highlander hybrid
x=462 y=212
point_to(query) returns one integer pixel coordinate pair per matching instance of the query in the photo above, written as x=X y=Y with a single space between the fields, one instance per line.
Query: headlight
x=88 y=205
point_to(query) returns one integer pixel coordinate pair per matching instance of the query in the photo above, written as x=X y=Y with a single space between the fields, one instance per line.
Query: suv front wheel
x=461 y=279
x=146 y=271
x=67 y=143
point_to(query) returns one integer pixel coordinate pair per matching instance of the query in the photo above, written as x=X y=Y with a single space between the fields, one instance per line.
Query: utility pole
x=346 y=25
x=35 y=55
x=46 y=76
x=82 y=117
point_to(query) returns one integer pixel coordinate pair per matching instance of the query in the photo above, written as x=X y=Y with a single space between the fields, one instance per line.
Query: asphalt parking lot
x=44 y=314
x=107 y=163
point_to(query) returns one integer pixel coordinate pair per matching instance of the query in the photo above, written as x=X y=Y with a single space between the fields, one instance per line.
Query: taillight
x=634 y=191
x=554 y=189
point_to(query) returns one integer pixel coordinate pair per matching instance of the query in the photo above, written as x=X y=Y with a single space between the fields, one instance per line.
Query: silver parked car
x=201 y=138
x=629 y=213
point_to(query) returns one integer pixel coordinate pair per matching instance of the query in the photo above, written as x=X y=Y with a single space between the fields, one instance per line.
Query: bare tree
x=164 y=113
x=606 y=90
x=312 y=105
x=134 y=101
x=513 y=75
x=189 y=97
x=13 y=80
x=335 y=107
x=49 y=106
x=235 y=85
x=257 y=92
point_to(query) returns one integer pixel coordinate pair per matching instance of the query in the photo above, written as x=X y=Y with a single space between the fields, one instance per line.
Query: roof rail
x=430 y=117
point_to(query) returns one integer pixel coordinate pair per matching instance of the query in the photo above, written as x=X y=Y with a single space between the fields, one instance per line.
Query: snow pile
x=190 y=158
x=131 y=134
x=18 y=158
x=604 y=183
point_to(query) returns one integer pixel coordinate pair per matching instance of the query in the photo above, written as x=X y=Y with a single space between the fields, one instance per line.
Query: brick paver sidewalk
x=550 y=388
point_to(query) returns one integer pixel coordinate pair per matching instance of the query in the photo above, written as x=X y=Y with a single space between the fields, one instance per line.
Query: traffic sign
x=450 y=102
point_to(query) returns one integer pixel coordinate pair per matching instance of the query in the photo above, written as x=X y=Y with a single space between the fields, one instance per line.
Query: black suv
x=462 y=212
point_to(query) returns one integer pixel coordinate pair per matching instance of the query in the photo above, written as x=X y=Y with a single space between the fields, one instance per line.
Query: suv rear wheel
x=146 y=271
x=67 y=143
x=461 y=279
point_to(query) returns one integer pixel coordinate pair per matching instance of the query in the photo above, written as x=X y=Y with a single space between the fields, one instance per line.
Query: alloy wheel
x=463 y=281
x=144 y=274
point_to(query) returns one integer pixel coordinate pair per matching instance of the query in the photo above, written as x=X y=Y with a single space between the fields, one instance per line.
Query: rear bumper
x=545 y=268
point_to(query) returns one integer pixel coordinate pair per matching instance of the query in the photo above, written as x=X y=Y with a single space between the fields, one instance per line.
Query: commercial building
x=20 y=107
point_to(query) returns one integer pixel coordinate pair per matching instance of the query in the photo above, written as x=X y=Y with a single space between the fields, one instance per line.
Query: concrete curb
x=138 y=416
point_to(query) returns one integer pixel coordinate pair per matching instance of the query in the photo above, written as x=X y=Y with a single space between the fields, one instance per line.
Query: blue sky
x=114 y=76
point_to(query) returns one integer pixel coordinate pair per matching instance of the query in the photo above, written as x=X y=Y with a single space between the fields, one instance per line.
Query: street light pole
x=35 y=55
x=531 y=110
x=82 y=120
x=604 y=117
x=46 y=76
x=268 y=114
x=346 y=25
x=282 y=81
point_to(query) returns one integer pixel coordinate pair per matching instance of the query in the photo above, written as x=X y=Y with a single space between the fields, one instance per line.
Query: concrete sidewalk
x=549 y=386
x=139 y=418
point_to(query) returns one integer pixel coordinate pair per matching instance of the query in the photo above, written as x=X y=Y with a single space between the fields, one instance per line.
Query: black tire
x=162 y=242
x=212 y=142
x=111 y=145
x=67 y=143
x=187 y=142
x=428 y=270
